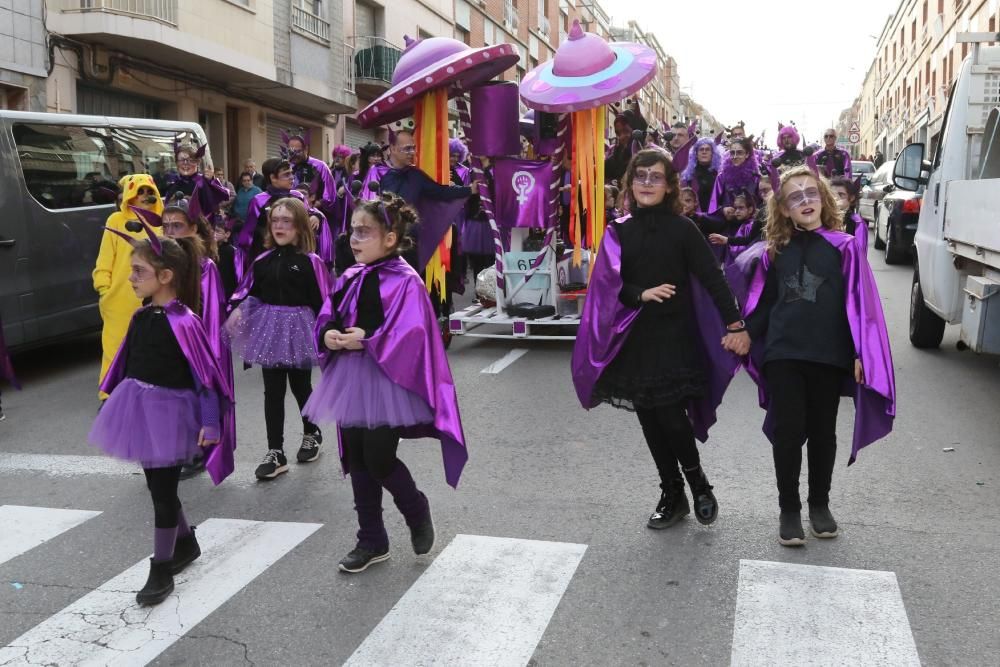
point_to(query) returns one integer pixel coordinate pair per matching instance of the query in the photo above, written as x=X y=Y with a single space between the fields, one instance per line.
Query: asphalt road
x=542 y=470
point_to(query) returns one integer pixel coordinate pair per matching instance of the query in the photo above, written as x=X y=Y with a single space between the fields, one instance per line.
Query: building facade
x=244 y=69
x=24 y=58
x=906 y=88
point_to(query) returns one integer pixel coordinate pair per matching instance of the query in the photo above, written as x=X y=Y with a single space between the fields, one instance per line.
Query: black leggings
x=670 y=439
x=805 y=397
x=162 y=485
x=275 y=379
x=373 y=449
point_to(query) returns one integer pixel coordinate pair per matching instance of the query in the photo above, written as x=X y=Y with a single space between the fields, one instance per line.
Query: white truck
x=956 y=275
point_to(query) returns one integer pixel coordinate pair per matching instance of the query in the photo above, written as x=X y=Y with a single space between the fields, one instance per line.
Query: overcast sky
x=764 y=61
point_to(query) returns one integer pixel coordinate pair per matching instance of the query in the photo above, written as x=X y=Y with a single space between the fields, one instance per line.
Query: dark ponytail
x=183 y=257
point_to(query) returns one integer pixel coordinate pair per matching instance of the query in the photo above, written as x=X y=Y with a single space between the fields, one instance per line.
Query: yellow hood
x=130 y=186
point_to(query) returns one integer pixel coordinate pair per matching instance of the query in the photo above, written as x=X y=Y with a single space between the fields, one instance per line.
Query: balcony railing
x=375 y=58
x=310 y=24
x=349 y=69
x=510 y=17
x=164 y=11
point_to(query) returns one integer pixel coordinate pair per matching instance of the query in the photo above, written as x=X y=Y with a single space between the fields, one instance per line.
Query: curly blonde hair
x=780 y=228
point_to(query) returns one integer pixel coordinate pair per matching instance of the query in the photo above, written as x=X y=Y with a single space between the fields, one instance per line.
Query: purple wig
x=340 y=150
x=688 y=174
x=788 y=131
x=456 y=147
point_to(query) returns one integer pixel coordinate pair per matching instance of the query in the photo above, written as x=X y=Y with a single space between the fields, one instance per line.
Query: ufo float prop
x=586 y=74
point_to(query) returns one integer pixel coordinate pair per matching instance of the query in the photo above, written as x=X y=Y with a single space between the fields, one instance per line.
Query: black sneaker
x=360 y=558
x=186 y=551
x=193 y=467
x=673 y=507
x=790 y=529
x=309 y=451
x=274 y=464
x=159 y=585
x=422 y=537
x=821 y=522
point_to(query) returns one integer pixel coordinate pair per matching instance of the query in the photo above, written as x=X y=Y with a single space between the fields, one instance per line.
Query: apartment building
x=23 y=55
x=243 y=69
x=905 y=90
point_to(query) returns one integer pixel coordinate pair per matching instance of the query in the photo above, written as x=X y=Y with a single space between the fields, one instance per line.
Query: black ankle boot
x=673 y=506
x=706 y=507
x=159 y=585
x=186 y=550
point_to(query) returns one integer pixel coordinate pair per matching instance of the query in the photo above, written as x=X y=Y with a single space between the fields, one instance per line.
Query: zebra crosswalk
x=482 y=601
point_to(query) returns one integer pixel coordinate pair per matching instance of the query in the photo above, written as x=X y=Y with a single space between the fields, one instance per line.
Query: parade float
x=540 y=279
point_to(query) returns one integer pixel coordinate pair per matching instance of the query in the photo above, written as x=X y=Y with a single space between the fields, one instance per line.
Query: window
x=69 y=166
x=924 y=14
x=307 y=19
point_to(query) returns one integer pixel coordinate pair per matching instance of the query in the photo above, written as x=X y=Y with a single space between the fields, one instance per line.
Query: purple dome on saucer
x=435 y=62
x=588 y=72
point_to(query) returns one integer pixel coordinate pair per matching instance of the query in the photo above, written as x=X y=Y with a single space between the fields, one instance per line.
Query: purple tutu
x=355 y=393
x=273 y=336
x=154 y=426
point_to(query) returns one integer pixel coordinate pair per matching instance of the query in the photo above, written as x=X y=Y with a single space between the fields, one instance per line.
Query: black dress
x=661 y=362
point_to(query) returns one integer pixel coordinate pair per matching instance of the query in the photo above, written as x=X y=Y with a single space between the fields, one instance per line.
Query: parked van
x=58 y=176
x=956 y=277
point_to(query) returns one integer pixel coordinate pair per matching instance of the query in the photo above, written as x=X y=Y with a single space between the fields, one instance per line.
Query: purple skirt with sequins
x=273 y=336
x=154 y=426
x=355 y=393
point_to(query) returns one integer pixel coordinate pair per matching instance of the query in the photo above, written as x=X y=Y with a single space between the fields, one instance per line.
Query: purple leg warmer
x=409 y=500
x=368 y=503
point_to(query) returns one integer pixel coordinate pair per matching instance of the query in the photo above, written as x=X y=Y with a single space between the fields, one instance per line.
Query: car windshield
x=862 y=168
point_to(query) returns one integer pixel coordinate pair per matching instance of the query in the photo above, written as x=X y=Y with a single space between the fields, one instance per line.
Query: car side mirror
x=908 y=172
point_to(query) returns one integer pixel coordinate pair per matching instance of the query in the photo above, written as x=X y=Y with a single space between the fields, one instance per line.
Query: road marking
x=504 y=361
x=483 y=601
x=24 y=528
x=67 y=465
x=808 y=615
x=107 y=627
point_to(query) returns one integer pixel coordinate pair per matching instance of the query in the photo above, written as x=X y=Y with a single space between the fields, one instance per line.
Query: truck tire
x=879 y=243
x=926 y=328
x=894 y=252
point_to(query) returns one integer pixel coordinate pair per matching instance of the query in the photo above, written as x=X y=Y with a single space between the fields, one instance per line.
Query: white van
x=57 y=178
x=956 y=276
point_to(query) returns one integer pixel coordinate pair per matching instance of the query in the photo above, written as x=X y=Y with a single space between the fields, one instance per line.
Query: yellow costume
x=117 y=301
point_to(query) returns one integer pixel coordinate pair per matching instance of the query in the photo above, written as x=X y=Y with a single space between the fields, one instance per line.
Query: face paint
x=802 y=197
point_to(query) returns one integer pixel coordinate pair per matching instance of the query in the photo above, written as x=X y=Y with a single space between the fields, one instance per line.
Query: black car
x=896 y=224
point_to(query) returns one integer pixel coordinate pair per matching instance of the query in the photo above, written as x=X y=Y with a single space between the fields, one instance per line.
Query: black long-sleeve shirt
x=802 y=313
x=371 y=315
x=286 y=278
x=154 y=355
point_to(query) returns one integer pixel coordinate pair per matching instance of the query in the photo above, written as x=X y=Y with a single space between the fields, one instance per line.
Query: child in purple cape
x=815 y=331
x=656 y=304
x=271 y=325
x=167 y=393
x=846 y=192
x=385 y=376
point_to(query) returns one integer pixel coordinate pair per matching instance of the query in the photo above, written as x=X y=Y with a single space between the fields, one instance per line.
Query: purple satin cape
x=207 y=372
x=6 y=368
x=207 y=197
x=731 y=180
x=605 y=324
x=213 y=317
x=861 y=233
x=329 y=186
x=324 y=242
x=343 y=208
x=246 y=284
x=875 y=400
x=374 y=175
x=408 y=349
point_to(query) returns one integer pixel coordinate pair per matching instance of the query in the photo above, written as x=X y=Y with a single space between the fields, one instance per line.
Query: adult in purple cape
x=370 y=170
x=833 y=161
x=788 y=155
x=310 y=171
x=206 y=194
x=648 y=337
x=167 y=392
x=437 y=205
x=740 y=174
x=701 y=172
x=385 y=376
x=340 y=217
x=846 y=192
x=271 y=326
x=815 y=331
x=177 y=223
x=278 y=174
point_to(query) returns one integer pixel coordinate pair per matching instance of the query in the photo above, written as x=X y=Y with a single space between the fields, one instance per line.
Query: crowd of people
x=718 y=253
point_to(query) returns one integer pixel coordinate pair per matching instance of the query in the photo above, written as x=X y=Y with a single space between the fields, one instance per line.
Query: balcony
x=310 y=25
x=510 y=17
x=349 y=74
x=164 y=11
x=374 y=61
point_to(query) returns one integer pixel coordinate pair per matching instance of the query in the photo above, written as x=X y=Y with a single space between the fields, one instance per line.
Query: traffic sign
x=855 y=129
x=854 y=137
